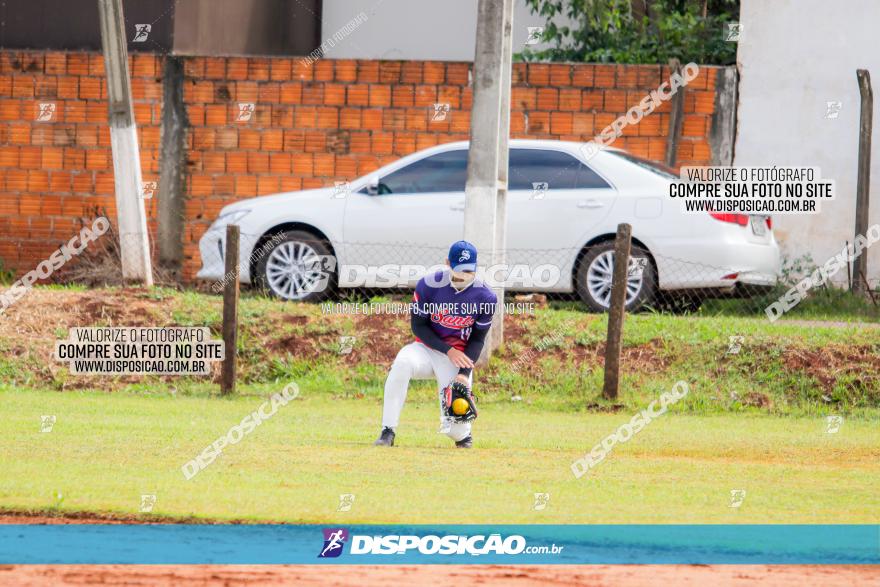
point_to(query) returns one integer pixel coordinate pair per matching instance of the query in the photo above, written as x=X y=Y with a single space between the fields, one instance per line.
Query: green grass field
x=105 y=451
x=754 y=420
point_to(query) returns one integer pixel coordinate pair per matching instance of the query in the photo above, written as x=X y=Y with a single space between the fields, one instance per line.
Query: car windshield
x=652 y=166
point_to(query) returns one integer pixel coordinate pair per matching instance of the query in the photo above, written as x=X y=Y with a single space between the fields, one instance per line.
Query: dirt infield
x=440 y=575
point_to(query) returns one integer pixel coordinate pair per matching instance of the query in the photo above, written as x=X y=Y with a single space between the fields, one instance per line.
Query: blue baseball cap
x=463 y=256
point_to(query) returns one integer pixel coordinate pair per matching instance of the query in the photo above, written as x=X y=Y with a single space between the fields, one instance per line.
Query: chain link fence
x=297 y=266
x=300 y=267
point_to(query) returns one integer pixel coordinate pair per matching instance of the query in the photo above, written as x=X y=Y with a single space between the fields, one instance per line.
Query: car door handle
x=590 y=204
x=457 y=207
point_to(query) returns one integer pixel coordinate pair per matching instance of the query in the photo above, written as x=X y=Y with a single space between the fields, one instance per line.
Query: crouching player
x=451 y=316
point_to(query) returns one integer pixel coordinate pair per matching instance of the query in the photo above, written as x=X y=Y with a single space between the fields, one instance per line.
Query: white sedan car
x=389 y=228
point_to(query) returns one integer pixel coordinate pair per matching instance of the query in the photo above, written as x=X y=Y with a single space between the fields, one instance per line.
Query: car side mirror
x=373 y=185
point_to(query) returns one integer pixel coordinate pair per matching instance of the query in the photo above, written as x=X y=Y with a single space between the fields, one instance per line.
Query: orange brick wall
x=53 y=174
x=313 y=124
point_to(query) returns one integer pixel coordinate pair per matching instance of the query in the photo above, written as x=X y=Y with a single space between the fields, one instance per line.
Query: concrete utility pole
x=133 y=238
x=486 y=190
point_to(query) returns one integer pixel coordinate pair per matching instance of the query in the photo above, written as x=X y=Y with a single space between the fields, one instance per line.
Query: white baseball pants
x=417 y=361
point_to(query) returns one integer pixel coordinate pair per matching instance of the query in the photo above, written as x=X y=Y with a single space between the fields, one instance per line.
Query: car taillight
x=740 y=219
x=769 y=223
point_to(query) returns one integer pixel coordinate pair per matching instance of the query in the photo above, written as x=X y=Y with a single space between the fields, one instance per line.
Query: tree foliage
x=636 y=31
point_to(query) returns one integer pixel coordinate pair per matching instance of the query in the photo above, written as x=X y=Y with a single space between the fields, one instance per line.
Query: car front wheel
x=298 y=267
x=595 y=272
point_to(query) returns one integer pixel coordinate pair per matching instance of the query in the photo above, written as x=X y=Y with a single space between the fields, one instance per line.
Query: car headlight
x=229 y=218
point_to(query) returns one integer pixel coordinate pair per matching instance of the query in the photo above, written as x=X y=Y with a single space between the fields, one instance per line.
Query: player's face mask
x=462 y=279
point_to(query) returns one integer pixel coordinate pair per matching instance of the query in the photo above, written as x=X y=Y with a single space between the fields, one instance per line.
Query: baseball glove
x=454 y=391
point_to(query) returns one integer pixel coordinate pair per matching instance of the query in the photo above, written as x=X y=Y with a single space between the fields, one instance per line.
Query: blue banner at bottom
x=440 y=544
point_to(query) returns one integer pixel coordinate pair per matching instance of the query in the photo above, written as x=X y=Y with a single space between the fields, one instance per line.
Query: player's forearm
x=474 y=348
x=421 y=327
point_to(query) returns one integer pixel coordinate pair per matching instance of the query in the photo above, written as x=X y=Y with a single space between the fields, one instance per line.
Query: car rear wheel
x=299 y=267
x=594 y=278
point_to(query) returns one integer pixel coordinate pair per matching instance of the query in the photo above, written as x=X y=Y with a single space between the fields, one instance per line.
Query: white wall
x=443 y=30
x=794 y=56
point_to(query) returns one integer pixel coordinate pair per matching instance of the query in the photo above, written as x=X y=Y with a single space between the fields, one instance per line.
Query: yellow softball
x=460 y=406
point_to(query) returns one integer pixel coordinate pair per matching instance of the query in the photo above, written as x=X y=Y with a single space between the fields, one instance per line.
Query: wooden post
x=676 y=118
x=860 y=264
x=618 y=307
x=230 y=310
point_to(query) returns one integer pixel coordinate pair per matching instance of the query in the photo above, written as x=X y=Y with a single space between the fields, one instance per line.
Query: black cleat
x=386 y=438
x=466 y=442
